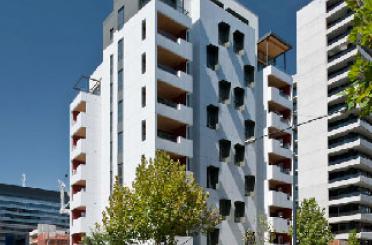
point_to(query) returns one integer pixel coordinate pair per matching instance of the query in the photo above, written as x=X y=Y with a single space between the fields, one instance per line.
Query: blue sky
x=44 y=47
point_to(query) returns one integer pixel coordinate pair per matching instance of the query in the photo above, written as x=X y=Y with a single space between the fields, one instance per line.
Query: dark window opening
x=212 y=57
x=249 y=75
x=143 y=63
x=238 y=41
x=212 y=116
x=250 y=182
x=212 y=237
x=239 y=154
x=238 y=97
x=120 y=173
x=239 y=211
x=212 y=177
x=143 y=95
x=143 y=29
x=225 y=147
x=111 y=34
x=120 y=18
x=143 y=130
x=249 y=128
x=223 y=33
x=142 y=3
x=120 y=50
x=225 y=207
x=224 y=88
x=120 y=83
x=218 y=3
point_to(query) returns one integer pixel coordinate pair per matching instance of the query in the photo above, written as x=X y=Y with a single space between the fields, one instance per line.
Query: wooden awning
x=271 y=46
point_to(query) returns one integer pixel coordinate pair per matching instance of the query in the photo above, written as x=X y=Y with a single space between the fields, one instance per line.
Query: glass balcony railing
x=177 y=4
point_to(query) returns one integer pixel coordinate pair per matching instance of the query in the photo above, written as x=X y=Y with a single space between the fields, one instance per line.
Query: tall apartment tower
x=182 y=77
x=334 y=152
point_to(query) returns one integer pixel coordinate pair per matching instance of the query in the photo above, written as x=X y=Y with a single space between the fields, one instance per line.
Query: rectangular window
x=143 y=29
x=120 y=50
x=143 y=63
x=143 y=130
x=120 y=147
x=212 y=57
x=111 y=67
x=213 y=237
x=224 y=88
x=120 y=18
x=239 y=211
x=223 y=33
x=212 y=177
x=225 y=207
x=143 y=95
x=212 y=116
x=225 y=147
x=120 y=83
x=249 y=75
x=111 y=34
x=239 y=154
x=120 y=113
x=238 y=38
x=238 y=97
x=120 y=173
x=249 y=129
x=250 y=182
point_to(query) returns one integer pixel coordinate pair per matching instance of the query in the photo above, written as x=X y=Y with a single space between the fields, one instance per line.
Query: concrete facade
x=185 y=81
x=330 y=149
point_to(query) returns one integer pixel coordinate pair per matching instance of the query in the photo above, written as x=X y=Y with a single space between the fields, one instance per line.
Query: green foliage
x=353 y=239
x=164 y=202
x=359 y=95
x=312 y=226
x=262 y=235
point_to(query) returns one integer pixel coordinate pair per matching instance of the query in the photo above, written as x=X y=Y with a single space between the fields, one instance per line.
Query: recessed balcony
x=347 y=125
x=279 y=174
x=175 y=11
x=279 y=199
x=79 y=150
x=79 y=176
x=277 y=78
x=359 y=161
x=279 y=225
x=340 y=27
x=278 y=149
x=79 y=226
x=79 y=103
x=347 y=143
x=79 y=200
x=78 y=127
x=358 y=180
x=336 y=9
x=279 y=100
x=344 y=58
x=278 y=124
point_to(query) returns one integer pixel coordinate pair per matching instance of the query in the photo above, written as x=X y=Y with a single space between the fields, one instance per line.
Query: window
x=120 y=50
x=143 y=29
x=212 y=116
x=111 y=67
x=238 y=41
x=224 y=88
x=120 y=147
x=225 y=146
x=223 y=33
x=249 y=128
x=120 y=83
x=142 y=3
x=212 y=177
x=120 y=113
x=120 y=173
x=120 y=18
x=111 y=34
x=238 y=97
x=143 y=63
x=143 y=130
x=239 y=211
x=212 y=57
x=143 y=95
x=249 y=75
x=225 y=207
x=250 y=182
x=239 y=154
x=212 y=237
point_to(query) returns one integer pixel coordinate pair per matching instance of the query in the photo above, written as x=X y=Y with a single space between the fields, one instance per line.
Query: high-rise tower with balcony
x=181 y=76
x=334 y=151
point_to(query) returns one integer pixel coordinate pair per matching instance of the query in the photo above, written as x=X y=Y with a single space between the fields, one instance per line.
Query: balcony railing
x=340 y=53
x=342 y=123
x=334 y=5
x=167 y=136
x=176 y=4
x=167 y=103
x=347 y=139
x=339 y=36
x=350 y=155
x=340 y=19
x=168 y=69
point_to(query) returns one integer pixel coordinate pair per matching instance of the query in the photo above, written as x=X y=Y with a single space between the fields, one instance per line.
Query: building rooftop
x=271 y=46
x=29 y=193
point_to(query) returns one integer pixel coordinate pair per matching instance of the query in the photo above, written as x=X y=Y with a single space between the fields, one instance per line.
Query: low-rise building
x=49 y=235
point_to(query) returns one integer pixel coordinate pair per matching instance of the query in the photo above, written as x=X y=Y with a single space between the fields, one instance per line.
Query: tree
x=353 y=239
x=312 y=226
x=262 y=234
x=164 y=202
x=359 y=94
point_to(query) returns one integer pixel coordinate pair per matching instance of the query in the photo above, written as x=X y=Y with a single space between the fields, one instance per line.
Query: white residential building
x=182 y=76
x=335 y=151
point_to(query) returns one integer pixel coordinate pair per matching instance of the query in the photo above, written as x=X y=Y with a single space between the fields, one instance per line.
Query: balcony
x=279 y=199
x=277 y=123
x=79 y=226
x=78 y=152
x=78 y=127
x=279 y=225
x=175 y=78
x=352 y=217
x=362 y=199
x=359 y=161
x=340 y=26
x=279 y=174
x=278 y=149
x=79 y=176
x=79 y=102
x=175 y=8
x=278 y=100
x=174 y=144
x=79 y=200
x=336 y=8
x=277 y=78
x=360 y=180
x=177 y=112
x=343 y=58
x=348 y=125
x=349 y=142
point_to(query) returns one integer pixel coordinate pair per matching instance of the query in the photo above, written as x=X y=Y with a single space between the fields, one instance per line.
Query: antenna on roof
x=23 y=179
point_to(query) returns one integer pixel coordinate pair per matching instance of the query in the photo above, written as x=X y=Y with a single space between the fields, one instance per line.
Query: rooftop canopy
x=271 y=46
